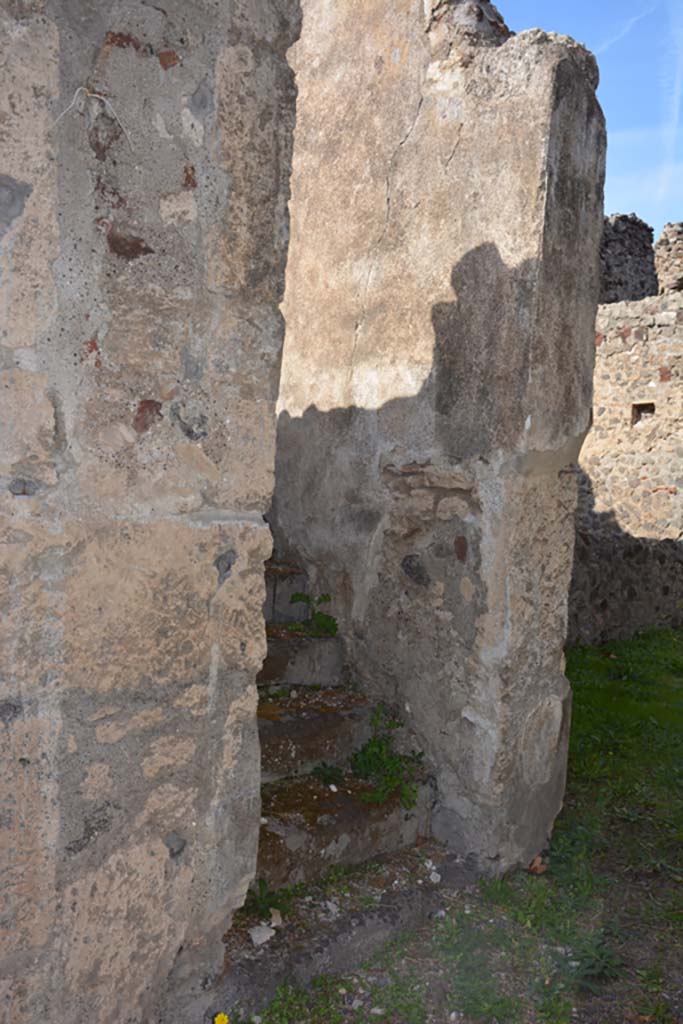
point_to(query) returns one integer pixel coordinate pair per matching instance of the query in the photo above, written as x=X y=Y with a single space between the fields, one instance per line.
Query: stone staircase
x=315 y=818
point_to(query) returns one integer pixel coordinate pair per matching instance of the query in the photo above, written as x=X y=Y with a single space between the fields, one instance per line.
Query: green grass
x=602 y=932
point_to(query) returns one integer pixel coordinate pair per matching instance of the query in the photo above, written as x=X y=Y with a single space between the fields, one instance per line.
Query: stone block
x=440 y=302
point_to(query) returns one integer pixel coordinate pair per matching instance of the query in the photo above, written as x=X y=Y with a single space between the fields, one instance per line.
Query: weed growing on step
x=388 y=771
x=261 y=900
x=328 y=774
x=319 y=623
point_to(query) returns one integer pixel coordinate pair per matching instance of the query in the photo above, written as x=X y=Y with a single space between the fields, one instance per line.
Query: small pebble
x=378 y=1011
x=440 y=914
x=261 y=934
x=333 y=788
x=342 y=991
x=264 y=821
x=435 y=877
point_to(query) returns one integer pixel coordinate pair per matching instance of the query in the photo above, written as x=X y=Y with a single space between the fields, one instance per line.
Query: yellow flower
x=221 y=1018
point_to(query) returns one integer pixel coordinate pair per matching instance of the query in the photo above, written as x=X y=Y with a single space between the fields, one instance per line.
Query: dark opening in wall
x=641 y=411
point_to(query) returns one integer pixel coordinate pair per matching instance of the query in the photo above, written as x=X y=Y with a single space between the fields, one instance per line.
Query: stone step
x=303 y=728
x=309 y=828
x=302 y=660
x=282 y=581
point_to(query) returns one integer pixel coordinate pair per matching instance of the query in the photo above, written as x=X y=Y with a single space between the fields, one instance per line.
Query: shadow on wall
x=621 y=584
x=389 y=509
x=348 y=476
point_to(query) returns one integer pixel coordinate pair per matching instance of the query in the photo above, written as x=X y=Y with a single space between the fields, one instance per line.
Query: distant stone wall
x=669 y=259
x=627 y=260
x=628 y=572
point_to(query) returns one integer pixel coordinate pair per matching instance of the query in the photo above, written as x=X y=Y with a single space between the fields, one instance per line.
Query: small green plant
x=261 y=900
x=378 y=763
x=596 y=963
x=319 y=623
x=328 y=774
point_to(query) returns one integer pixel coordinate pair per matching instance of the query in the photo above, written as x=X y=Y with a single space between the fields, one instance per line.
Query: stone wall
x=669 y=257
x=143 y=190
x=440 y=303
x=628 y=572
x=627 y=260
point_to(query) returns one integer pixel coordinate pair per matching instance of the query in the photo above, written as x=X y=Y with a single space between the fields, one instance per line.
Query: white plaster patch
x=540 y=741
x=161 y=127
x=193 y=129
x=179 y=208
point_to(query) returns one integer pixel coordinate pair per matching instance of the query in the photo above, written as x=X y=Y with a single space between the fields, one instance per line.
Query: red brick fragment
x=599 y=338
x=664 y=374
x=168 y=59
x=461 y=548
x=190 y=177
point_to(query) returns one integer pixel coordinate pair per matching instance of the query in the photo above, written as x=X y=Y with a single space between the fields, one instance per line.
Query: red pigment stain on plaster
x=148 y=412
x=90 y=347
x=666 y=490
x=664 y=374
x=128 y=247
x=625 y=332
x=168 y=59
x=190 y=176
x=122 y=40
x=599 y=338
x=461 y=548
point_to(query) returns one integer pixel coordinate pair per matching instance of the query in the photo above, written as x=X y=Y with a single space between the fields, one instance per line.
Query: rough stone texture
x=143 y=190
x=300 y=730
x=627 y=260
x=303 y=661
x=333 y=944
x=628 y=572
x=309 y=829
x=669 y=258
x=441 y=294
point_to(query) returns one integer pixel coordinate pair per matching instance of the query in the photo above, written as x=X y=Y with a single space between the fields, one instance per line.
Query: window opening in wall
x=641 y=411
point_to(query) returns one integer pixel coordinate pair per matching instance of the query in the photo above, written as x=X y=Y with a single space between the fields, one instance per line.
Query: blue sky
x=639 y=46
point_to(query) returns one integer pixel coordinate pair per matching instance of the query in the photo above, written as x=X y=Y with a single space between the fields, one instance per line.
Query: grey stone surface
x=145 y=164
x=304 y=661
x=13 y=196
x=669 y=257
x=441 y=292
x=627 y=260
